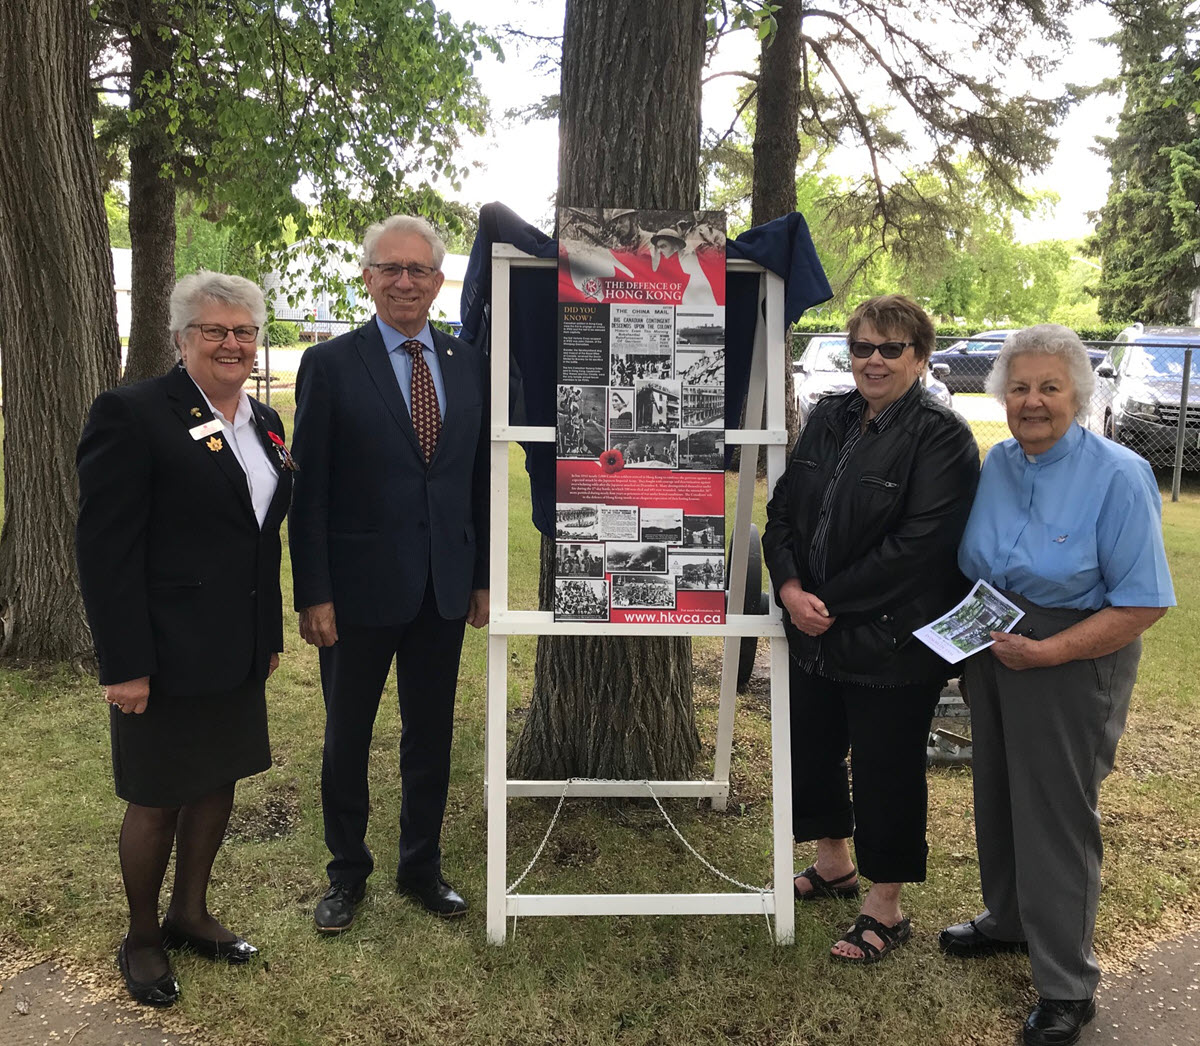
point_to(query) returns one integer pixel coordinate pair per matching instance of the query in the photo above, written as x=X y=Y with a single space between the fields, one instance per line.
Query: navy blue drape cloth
x=783 y=246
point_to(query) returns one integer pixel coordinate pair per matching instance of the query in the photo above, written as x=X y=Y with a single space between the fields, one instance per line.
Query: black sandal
x=826 y=888
x=893 y=937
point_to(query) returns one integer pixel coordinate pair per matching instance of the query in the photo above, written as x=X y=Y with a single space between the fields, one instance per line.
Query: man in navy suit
x=389 y=542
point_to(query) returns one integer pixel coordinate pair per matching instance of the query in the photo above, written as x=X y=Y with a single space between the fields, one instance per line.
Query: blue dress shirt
x=1079 y=526
x=401 y=362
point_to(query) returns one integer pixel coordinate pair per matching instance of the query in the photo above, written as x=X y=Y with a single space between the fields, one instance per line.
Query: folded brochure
x=964 y=631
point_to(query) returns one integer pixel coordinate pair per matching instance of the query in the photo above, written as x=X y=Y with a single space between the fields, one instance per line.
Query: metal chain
x=692 y=850
x=666 y=817
x=541 y=846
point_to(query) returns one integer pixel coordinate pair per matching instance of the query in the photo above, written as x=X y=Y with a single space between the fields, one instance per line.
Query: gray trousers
x=1044 y=739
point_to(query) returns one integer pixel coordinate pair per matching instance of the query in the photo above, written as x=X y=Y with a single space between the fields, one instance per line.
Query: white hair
x=195 y=290
x=403 y=223
x=1046 y=339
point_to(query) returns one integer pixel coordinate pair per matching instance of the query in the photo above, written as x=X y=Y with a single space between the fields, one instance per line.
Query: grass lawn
x=400 y=976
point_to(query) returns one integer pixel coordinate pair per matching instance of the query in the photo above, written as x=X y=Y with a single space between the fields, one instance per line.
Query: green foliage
x=979 y=136
x=1149 y=230
x=299 y=120
x=281 y=332
x=203 y=241
x=117 y=211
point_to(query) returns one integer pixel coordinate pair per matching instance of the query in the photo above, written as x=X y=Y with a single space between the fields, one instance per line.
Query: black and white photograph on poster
x=662 y=524
x=678 y=246
x=702 y=451
x=636 y=556
x=580 y=599
x=641 y=328
x=582 y=418
x=704 y=407
x=704 y=532
x=618 y=522
x=616 y=230
x=643 y=590
x=700 y=327
x=583 y=338
x=627 y=367
x=620 y=410
x=697 y=571
x=644 y=450
x=577 y=522
x=700 y=366
x=656 y=405
x=575 y=559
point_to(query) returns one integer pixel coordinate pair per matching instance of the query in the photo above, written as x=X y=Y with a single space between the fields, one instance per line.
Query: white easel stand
x=766 y=373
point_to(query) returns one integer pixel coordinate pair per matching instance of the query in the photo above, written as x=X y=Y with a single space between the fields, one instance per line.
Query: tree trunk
x=58 y=325
x=629 y=137
x=777 y=147
x=151 y=203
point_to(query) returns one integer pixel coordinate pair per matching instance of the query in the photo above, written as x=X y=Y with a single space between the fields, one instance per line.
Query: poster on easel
x=640 y=430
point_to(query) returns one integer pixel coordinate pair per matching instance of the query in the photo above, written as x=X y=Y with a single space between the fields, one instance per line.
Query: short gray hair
x=193 y=291
x=1046 y=339
x=403 y=223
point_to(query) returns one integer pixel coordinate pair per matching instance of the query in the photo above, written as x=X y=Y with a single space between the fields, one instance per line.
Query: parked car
x=970 y=360
x=1139 y=385
x=823 y=369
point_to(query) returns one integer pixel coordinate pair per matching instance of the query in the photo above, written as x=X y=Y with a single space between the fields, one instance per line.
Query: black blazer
x=891 y=563
x=370 y=523
x=179 y=582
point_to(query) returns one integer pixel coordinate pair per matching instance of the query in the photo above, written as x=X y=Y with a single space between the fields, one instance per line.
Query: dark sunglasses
x=889 y=350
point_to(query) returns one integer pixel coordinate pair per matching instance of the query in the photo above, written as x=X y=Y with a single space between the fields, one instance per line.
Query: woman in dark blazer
x=183 y=483
x=861 y=537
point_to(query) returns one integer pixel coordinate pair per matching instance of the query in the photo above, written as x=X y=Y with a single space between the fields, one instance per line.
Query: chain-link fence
x=274 y=375
x=1147 y=396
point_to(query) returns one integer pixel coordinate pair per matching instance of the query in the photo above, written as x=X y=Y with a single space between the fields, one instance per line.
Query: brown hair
x=895 y=316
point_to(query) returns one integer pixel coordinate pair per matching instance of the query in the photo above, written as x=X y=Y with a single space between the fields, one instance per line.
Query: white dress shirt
x=262 y=475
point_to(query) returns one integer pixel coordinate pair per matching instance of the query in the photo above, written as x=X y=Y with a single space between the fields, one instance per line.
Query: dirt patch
x=51 y=1005
x=275 y=816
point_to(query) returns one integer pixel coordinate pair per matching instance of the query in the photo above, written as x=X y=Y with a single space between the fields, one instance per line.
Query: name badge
x=207 y=429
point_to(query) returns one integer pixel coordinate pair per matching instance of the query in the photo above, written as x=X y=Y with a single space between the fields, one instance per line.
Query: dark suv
x=1139 y=385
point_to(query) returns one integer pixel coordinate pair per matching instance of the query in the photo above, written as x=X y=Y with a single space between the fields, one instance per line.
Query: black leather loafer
x=335 y=911
x=1057 y=1022
x=968 y=941
x=234 y=952
x=435 y=895
x=161 y=992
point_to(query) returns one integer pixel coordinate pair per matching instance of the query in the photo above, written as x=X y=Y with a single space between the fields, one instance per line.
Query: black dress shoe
x=234 y=952
x=436 y=895
x=1057 y=1022
x=335 y=911
x=968 y=941
x=161 y=992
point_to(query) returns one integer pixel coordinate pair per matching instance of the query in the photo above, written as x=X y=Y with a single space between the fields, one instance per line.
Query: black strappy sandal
x=826 y=888
x=893 y=937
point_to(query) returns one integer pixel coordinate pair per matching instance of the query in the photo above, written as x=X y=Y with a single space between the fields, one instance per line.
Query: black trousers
x=353 y=673
x=886 y=729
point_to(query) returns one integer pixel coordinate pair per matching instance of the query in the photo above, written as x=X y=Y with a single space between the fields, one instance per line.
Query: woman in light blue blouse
x=1068 y=525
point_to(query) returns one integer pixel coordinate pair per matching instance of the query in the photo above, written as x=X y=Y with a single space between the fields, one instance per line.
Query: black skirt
x=183 y=748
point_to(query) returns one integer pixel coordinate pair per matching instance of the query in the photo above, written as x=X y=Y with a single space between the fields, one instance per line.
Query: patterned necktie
x=426 y=417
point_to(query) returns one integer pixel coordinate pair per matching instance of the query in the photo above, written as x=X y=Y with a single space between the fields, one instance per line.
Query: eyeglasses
x=215 y=332
x=392 y=270
x=889 y=350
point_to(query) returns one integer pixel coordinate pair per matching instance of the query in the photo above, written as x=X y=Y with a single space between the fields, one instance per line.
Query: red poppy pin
x=612 y=461
x=286 y=461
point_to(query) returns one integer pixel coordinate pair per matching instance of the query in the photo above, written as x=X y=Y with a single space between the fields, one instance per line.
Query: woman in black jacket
x=861 y=539
x=183 y=483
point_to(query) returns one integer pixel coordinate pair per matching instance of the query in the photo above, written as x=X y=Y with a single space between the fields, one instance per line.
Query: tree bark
x=58 y=326
x=629 y=137
x=151 y=202
x=777 y=146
